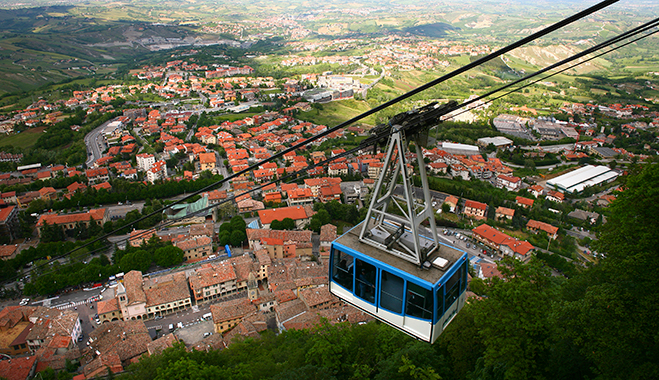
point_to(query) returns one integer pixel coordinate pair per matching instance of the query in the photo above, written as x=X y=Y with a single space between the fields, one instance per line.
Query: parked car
x=208 y=334
x=171 y=327
x=25 y=301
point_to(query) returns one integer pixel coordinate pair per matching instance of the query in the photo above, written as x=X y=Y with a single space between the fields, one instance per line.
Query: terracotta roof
x=242 y=265
x=295 y=213
x=127 y=339
x=288 y=310
x=71 y=218
x=512 y=179
x=167 y=288
x=107 y=306
x=133 y=285
x=103 y=185
x=317 y=297
x=489 y=270
x=451 y=199
x=311 y=182
x=476 y=205
x=47 y=190
x=537 y=225
x=207 y=158
x=161 y=344
x=499 y=238
x=300 y=193
x=202 y=230
x=211 y=274
x=17 y=368
x=519 y=246
x=7 y=251
x=194 y=243
x=75 y=186
x=505 y=211
x=283 y=235
x=491 y=234
x=537 y=188
x=233 y=309
x=328 y=232
x=556 y=194
x=524 y=201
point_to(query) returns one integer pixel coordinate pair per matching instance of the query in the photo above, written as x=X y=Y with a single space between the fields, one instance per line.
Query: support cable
x=342 y=125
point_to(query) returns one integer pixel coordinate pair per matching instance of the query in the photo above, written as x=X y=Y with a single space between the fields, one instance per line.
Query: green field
x=21 y=140
x=334 y=113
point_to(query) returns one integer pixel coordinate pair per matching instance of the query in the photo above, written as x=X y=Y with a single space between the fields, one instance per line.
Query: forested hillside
x=600 y=324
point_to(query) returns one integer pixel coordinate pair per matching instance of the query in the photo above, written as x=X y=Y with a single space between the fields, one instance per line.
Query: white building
x=463 y=149
x=156 y=172
x=577 y=180
x=510 y=183
x=145 y=161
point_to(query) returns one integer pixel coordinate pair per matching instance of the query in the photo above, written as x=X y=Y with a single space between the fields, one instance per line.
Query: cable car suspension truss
x=403 y=235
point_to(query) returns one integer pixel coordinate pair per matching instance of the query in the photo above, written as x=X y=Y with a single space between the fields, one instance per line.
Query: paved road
x=120 y=211
x=435 y=195
x=94 y=141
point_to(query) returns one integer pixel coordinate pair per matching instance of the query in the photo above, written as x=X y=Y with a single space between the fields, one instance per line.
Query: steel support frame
x=395 y=162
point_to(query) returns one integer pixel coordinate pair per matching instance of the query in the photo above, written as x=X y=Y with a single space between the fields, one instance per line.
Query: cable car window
x=365 y=281
x=391 y=292
x=453 y=288
x=463 y=282
x=342 y=269
x=440 y=302
x=419 y=301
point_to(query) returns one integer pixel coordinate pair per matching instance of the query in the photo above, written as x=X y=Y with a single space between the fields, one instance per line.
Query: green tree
x=136 y=260
x=237 y=238
x=610 y=312
x=224 y=238
x=168 y=256
x=514 y=323
x=319 y=219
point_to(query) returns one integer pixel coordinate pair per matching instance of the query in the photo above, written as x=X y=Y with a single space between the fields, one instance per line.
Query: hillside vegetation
x=601 y=323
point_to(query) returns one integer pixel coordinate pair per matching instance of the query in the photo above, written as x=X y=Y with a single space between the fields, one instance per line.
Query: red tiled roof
x=17 y=368
x=71 y=218
x=524 y=201
x=295 y=213
x=491 y=234
x=474 y=204
x=537 y=225
x=5 y=212
x=229 y=310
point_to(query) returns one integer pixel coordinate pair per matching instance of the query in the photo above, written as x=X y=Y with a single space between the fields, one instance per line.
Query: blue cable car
x=418 y=301
x=392 y=264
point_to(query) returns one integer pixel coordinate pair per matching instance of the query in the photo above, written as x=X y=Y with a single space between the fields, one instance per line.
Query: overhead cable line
x=376 y=109
x=631 y=33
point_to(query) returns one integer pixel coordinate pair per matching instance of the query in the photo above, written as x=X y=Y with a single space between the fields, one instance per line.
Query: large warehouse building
x=461 y=149
x=577 y=180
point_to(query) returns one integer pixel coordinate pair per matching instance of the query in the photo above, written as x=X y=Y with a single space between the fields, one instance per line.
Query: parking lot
x=193 y=332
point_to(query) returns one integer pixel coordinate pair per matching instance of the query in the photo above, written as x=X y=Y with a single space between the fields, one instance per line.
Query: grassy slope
x=22 y=140
x=334 y=113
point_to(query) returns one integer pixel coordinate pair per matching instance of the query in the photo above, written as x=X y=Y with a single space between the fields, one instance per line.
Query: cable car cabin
x=419 y=302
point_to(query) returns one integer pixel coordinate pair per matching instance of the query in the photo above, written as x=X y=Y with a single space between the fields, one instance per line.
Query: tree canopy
x=598 y=324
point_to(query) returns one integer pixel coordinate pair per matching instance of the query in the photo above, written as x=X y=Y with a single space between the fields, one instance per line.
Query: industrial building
x=577 y=180
x=460 y=149
x=498 y=142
